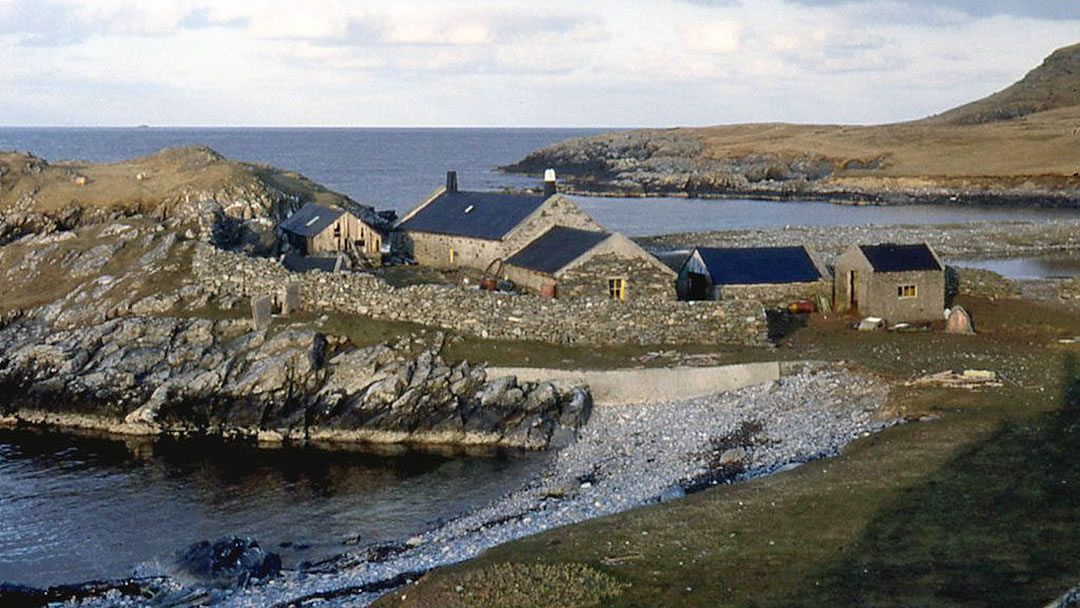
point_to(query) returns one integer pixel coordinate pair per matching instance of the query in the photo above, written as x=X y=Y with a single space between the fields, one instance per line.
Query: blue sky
x=512 y=63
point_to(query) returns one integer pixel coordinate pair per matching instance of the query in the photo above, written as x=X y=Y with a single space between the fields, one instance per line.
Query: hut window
x=453 y=255
x=906 y=291
x=616 y=288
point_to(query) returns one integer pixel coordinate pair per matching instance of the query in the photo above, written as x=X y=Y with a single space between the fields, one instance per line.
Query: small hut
x=901 y=283
x=583 y=263
x=771 y=275
x=315 y=229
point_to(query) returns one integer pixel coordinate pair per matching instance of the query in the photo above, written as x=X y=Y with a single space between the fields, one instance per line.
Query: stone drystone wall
x=598 y=321
x=780 y=294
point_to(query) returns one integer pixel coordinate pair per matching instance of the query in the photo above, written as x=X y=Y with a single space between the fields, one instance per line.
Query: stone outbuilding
x=571 y=262
x=317 y=229
x=454 y=228
x=774 y=276
x=899 y=283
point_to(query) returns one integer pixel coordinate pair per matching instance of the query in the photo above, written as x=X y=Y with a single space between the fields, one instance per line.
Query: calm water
x=81 y=509
x=396 y=168
x=1035 y=267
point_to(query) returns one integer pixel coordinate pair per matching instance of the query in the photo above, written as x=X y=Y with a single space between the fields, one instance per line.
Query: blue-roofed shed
x=774 y=275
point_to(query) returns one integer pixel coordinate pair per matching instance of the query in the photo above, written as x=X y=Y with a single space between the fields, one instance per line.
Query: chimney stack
x=549 y=183
x=451 y=181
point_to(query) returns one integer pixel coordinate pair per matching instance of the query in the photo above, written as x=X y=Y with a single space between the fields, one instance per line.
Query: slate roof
x=556 y=248
x=299 y=263
x=481 y=215
x=759 y=265
x=889 y=257
x=310 y=220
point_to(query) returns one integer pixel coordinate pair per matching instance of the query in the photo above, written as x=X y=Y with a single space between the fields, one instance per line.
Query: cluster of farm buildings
x=542 y=244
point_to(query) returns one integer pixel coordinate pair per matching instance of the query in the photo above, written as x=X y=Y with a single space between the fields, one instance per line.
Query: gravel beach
x=625 y=457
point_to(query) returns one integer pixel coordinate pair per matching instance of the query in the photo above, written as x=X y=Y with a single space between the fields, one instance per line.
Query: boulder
x=227 y=563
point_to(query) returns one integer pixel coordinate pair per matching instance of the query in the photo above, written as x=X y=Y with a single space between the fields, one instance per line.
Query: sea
x=89 y=508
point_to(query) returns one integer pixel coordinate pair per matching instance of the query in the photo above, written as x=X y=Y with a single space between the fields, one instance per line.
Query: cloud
x=1036 y=9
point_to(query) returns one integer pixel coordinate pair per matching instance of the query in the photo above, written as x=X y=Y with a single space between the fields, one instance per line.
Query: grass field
x=973 y=506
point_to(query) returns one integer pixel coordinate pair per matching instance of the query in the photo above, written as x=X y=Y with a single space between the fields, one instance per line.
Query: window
x=617 y=288
x=906 y=291
x=453 y=256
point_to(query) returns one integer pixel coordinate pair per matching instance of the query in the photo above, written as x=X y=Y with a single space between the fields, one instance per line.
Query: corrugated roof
x=311 y=219
x=759 y=265
x=556 y=248
x=481 y=215
x=890 y=257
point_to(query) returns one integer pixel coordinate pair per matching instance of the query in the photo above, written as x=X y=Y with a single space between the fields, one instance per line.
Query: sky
x=602 y=63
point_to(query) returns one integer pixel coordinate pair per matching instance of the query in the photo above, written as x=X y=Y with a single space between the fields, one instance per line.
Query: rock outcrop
x=169 y=375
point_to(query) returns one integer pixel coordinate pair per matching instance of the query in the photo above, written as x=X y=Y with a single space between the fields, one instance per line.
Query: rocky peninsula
x=1015 y=147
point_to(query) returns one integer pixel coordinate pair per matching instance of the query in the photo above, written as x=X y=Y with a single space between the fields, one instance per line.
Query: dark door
x=699 y=286
x=853 y=294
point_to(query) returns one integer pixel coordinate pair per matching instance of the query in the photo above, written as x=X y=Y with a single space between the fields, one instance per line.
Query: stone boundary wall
x=633 y=386
x=597 y=321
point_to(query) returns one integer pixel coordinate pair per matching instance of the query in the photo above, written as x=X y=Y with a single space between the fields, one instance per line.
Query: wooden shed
x=899 y=283
x=771 y=275
x=315 y=228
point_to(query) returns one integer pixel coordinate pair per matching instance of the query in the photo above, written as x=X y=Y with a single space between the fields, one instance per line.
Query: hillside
x=1019 y=145
x=190 y=185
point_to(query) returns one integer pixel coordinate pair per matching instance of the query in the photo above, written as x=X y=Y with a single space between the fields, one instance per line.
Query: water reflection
x=1034 y=267
x=86 y=508
x=652 y=216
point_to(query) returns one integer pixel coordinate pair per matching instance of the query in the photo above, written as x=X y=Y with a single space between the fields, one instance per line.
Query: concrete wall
x=651 y=385
x=587 y=320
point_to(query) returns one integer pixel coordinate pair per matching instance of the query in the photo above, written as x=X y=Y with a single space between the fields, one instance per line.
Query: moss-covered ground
x=975 y=505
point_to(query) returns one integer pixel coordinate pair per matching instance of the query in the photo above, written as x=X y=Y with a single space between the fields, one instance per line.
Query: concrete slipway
x=626 y=386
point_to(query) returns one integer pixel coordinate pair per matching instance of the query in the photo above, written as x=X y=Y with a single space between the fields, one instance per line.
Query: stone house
x=315 y=229
x=775 y=276
x=899 y=283
x=571 y=262
x=454 y=228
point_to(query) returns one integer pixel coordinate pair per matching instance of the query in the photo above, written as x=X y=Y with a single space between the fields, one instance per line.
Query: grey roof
x=481 y=215
x=759 y=265
x=556 y=248
x=890 y=257
x=311 y=219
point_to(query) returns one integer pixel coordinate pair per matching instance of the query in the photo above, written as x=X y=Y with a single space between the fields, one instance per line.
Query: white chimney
x=549 y=183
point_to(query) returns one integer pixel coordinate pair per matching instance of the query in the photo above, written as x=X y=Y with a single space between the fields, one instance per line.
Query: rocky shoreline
x=627 y=456
x=183 y=376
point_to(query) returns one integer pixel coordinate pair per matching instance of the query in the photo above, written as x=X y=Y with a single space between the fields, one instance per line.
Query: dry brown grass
x=142 y=184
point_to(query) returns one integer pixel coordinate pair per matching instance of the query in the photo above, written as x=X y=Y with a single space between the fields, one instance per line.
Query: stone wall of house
x=556 y=211
x=589 y=320
x=430 y=249
x=643 y=279
x=780 y=294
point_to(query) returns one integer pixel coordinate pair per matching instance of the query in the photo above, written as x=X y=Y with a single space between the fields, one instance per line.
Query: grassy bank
x=972 y=506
